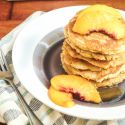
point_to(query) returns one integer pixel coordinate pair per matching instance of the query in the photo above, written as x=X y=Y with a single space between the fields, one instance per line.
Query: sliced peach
x=100 y=18
x=100 y=7
x=61 y=98
x=80 y=88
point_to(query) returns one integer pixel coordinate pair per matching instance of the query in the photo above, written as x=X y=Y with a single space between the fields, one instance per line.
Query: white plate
x=22 y=56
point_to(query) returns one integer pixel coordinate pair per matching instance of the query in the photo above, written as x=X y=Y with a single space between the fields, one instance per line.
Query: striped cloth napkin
x=10 y=109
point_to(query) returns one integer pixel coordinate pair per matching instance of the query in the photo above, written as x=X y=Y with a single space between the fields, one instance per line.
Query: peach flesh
x=61 y=98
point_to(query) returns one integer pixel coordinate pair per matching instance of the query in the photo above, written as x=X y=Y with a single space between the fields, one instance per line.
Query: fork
x=6 y=75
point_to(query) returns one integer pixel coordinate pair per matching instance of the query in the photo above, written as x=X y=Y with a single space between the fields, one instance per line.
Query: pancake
x=98 y=63
x=96 y=56
x=95 y=42
x=79 y=64
x=106 y=83
x=98 y=76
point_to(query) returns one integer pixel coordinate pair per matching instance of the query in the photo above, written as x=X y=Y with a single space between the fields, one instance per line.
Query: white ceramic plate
x=22 y=56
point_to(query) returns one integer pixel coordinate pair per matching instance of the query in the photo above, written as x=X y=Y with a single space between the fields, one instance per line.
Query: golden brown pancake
x=108 y=82
x=78 y=63
x=98 y=63
x=96 y=56
x=95 y=42
x=98 y=76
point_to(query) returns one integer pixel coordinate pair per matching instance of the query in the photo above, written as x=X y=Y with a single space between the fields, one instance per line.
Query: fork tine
x=3 y=62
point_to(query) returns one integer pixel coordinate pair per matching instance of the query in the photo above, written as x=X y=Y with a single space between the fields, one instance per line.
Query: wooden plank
x=5 y=9
x=23 y=9
x=7 y=26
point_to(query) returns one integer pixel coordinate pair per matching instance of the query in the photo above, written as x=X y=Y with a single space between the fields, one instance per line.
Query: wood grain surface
x=5 y=8
x=22 y=10
x=13 y=13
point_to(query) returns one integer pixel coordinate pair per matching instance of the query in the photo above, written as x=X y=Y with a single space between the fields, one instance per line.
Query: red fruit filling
x=76 y=95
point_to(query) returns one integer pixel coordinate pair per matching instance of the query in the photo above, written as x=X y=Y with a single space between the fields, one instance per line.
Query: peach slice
x=61 y=98
x=101 y=7
x=79 y=87
x=100 y=18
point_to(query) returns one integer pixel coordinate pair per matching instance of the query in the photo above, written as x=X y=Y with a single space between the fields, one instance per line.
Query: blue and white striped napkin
x=10 y=109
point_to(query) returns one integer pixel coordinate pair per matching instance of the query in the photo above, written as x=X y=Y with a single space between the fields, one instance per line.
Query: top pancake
x=95 y=42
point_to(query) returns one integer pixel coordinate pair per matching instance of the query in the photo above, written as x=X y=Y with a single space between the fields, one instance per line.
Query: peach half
x=79 y=87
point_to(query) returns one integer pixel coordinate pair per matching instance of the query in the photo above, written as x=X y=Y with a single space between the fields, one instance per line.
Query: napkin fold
x=11 y=111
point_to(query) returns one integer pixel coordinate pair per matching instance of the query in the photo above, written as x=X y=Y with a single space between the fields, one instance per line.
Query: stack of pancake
x=97 y=56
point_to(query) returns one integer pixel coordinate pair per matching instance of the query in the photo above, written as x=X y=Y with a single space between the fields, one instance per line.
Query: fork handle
x=32 y=117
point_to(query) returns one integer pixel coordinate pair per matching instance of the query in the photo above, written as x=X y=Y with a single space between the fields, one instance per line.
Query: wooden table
x=13 y=13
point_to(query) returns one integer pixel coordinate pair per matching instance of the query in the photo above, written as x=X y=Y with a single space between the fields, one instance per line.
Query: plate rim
x=100 y=113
